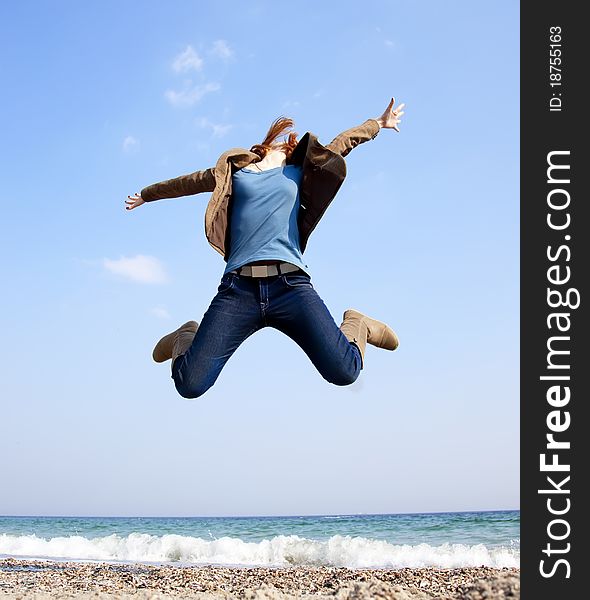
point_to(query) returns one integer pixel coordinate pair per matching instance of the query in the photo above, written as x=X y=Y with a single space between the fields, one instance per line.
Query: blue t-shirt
x=264 y=217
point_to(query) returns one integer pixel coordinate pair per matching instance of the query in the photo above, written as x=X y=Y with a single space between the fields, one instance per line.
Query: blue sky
x=103 y=98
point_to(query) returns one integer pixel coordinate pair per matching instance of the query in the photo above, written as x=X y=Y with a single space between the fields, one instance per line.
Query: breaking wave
x=280 y=551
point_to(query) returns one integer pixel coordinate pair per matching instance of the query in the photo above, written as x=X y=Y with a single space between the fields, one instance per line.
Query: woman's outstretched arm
x=185 y=185
x=343 y=143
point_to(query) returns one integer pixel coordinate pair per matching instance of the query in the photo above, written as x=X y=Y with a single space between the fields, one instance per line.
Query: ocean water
x=448 y=540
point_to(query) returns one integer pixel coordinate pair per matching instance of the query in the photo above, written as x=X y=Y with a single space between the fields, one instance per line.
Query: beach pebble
x=44 y=580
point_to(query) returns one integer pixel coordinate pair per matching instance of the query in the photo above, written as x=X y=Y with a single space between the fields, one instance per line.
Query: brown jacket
x=324 y=170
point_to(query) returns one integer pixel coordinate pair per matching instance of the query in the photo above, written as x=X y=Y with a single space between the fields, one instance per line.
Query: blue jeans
x=242 y=306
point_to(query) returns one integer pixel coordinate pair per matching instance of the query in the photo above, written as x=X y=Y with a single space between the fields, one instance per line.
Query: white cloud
x=160 y=312
x=389 y=43
x=191 y=95
x=222 y=50
x=217 y=129
x=187 y=60
x=139 y=268
x=130 y=144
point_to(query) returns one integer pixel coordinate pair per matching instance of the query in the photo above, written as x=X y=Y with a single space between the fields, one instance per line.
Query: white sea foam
x=292 y=550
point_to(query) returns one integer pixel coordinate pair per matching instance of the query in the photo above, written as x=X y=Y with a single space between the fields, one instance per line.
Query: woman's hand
x=391 y=117
x=134 y=201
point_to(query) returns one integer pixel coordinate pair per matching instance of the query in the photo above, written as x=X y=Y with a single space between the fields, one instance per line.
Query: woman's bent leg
x=297 y=310
x=233 y=315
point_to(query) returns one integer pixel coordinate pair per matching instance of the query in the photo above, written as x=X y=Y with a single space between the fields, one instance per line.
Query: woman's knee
x=342 y=378
x=191 y=387
x=190 y=382
x=343 y=372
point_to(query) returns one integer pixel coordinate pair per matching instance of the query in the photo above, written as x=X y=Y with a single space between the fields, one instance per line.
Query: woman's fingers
x=134 y=201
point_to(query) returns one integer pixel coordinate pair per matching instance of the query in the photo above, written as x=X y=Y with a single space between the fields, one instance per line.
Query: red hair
x=279 y=126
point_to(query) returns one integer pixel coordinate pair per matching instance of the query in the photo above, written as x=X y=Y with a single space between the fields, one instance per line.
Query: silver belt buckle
x=259 y=270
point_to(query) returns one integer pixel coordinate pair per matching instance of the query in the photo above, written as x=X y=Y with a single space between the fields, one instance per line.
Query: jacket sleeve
x=185 y=185
x=343 y=143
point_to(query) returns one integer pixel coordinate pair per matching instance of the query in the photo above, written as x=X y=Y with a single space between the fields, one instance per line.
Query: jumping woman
x=266 y=201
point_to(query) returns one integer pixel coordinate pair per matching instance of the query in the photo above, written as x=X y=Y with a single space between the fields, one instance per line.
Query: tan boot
x=176 y=343
x=360 y=329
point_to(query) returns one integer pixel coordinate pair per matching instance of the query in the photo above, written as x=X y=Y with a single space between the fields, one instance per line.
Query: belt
x=266 y=270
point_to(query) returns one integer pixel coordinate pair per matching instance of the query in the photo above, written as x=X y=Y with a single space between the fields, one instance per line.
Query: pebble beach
x=42 y=579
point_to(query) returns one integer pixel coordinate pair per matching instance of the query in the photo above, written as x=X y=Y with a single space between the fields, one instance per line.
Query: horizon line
x=442 y=512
